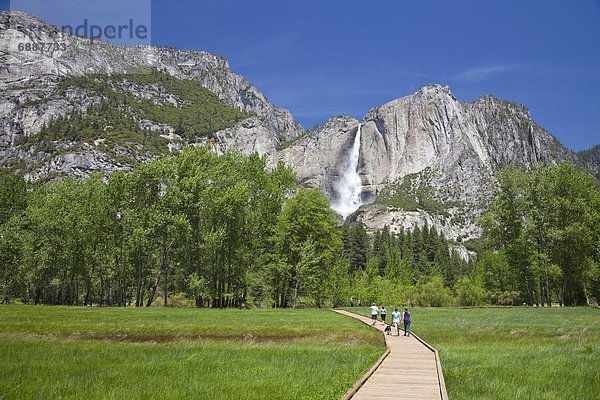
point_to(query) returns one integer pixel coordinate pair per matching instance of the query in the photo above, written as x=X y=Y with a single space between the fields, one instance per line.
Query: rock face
x=591 y=159
x=423 y=158
x=27 y=76
x=429 y=129
x=81 y=56
x=249 y=136
x=319 y=157
x=428 y=158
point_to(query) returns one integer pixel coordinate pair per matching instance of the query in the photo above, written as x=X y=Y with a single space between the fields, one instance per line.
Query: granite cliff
x=29 y=98
x=90 y=106
x=427 y=158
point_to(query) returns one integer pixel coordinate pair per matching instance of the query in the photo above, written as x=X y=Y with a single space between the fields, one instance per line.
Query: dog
x=388 y=330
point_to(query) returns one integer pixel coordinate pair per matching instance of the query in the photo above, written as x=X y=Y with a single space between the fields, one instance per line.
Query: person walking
x=406 y=318
x=351 y=302
x=374 y=312
x=383 y=313
x=396 y=320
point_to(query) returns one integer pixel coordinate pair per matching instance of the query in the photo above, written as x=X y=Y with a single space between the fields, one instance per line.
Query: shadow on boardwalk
x=409 y=370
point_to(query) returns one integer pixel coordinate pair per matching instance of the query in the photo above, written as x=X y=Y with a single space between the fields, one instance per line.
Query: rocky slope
x=423 y=158
x=28 y=78
x=428 y=158
x=320 y=155
x=591 y=159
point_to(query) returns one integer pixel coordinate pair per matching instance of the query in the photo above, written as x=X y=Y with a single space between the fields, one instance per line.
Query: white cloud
x=485 y=71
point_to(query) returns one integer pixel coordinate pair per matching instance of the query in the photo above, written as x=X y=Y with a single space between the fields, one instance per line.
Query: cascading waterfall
x=349 y=187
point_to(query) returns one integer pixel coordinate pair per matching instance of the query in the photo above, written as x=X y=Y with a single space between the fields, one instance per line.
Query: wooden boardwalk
x=411 y=370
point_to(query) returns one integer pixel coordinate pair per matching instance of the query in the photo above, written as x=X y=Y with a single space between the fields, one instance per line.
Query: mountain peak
x=493 y=102
x=435 y=89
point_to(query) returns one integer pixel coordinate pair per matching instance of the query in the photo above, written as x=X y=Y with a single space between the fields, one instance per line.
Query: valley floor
x=116 y=353
x=514 y=353
x=110 y=353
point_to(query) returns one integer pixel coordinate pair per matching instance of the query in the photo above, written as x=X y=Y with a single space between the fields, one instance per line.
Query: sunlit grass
x=111 y=353
x=514 y=353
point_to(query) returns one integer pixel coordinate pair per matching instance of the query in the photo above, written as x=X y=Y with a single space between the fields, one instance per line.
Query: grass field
x=514 y=353
x=113 y=353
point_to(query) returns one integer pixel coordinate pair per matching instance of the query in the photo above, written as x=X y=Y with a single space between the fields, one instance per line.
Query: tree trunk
x=139 y=296
x=548 y=296
x=162 y=271
x=154 y=287
x=37 y=294
x=566 y=296
x=165 y=268
x=166 y=287
x=295 y=295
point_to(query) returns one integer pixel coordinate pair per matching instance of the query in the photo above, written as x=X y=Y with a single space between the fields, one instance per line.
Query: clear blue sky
x=320 y=58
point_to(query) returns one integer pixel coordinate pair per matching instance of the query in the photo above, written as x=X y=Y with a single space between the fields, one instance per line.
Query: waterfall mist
x=348 y=189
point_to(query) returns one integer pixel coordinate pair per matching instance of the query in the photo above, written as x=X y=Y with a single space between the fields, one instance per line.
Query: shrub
x=469 y=292
x=432 y=293
x=158 y=302
x=180 y=300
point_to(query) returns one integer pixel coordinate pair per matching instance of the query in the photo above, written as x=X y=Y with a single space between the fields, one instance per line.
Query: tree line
x=192 y=228
x=198 y=229
x=410 y=267
x=543 y=236
x=540 y=245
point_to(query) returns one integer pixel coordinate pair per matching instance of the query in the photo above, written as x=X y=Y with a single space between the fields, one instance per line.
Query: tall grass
x=515 y=353
x=77 y=353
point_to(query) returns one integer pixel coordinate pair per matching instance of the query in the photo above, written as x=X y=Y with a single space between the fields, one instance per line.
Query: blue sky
x=328 y=57
x=322 y=58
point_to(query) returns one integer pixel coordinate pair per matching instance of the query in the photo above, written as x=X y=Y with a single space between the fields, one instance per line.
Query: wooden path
x=409 y=370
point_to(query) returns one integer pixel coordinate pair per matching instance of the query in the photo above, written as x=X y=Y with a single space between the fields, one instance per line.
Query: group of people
x=352 y=302
x=396 y=317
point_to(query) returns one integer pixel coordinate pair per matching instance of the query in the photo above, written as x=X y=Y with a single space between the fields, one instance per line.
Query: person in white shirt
x=396 y=320
x=383 y=313
x=374 y=312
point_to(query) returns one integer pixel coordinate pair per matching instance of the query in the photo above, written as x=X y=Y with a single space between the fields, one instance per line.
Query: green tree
x=544 y=219
x=338 y=283
x=431 y=292
x=13 y=197
x=305 y=218
x=356 y=245
x=506 y=229
x=13 y=202
x=469 y=292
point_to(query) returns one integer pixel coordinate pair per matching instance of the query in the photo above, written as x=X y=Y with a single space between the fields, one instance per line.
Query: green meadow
x=514 y=353
x=117 y=353
x=114 y=353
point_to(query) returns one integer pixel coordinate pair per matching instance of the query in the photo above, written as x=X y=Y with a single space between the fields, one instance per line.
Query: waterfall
x=348 y=189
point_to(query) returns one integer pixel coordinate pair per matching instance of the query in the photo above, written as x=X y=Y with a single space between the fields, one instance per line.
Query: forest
x=199 y=229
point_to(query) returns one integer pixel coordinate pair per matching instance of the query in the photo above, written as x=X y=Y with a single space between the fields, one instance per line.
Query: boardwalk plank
x=409 y=372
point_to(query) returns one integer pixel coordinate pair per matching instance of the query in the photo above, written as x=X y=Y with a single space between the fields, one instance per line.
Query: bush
x=469 y=292
x=506 y=298
x=177 y=300
x=432 y=293
x=181 y=300
x=158 y=302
